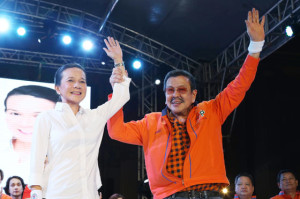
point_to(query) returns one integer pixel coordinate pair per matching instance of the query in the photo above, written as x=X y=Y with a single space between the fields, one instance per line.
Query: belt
x=195 y=194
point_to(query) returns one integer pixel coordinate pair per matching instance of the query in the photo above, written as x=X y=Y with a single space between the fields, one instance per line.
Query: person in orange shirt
x=244 y=186
x=2 y=195
x=15 y=187
x=183 y=143
x=287 y=183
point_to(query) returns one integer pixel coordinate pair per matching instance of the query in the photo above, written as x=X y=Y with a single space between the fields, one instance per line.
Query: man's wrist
x=256 y=46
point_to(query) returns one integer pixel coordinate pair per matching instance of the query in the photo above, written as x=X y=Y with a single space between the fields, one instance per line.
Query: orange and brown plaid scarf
x=179 y=148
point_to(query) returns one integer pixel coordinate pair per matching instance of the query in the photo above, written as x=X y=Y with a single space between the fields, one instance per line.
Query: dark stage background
x=264 y=138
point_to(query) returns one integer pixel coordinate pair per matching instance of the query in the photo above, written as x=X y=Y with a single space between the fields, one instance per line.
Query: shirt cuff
x=35 y=179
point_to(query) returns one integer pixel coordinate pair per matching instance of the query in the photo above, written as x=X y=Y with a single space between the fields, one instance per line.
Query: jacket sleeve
x=130 y=132
x=234 y=93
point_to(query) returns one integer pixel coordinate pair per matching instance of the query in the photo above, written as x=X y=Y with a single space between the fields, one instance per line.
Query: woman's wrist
x=118 y=60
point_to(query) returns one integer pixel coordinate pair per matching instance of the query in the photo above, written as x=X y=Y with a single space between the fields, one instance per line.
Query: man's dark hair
x=285 y=171
x=35 y=91
x=58 y=74
x=116 y=196
x=176 y=73
x=244 y=174
x=1 y=175
x=6 y=188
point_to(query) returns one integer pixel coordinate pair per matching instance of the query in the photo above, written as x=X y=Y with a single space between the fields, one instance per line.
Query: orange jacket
x=204 y=162
x=26 y=193
x=4 y=196
x=281 y=195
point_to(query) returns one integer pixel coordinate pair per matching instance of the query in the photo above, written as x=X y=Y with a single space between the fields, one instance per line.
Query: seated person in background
x=116 y=196
x=244 y=186
x=14 y=187
x=2 y=195
x=287 y=183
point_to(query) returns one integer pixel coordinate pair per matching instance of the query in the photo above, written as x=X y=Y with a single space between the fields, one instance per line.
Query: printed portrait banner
x=17 y=117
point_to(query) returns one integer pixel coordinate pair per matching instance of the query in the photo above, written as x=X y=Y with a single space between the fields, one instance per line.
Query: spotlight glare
x=21 y=31
x=39 y=40
x=67 y=39
x=103 y=63
x=87 y=45
x=137 y=64
x=225 y=190
x=157 y=82
x=289 y=31
x=4 y=25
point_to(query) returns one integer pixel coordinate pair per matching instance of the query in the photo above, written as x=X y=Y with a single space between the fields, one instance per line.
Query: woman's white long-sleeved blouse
x=72 y=144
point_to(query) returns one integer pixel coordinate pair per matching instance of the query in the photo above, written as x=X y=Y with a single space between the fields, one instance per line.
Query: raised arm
x=255 y=30
x=120 y=83
x=114 y=51
x=234 y=93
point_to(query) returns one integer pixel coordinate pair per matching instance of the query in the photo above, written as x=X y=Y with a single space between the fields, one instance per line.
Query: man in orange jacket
x=183 y=143
x=287 y=183
x=244 y=186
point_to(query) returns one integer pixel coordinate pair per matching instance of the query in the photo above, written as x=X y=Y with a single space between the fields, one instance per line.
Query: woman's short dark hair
x=176 y=73
x=285 y=171
x=244 y=175
x=116 y=196
x=6 y=188
x=35 y=91
x=58 y=74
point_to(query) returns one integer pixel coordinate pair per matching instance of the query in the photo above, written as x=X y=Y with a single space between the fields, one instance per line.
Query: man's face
x=15 y=187
x=21 y=113
x=179 y=96
x=244 y=187
x=288 y=182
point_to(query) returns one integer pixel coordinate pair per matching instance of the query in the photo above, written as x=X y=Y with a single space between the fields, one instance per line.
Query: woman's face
x=72 y=88
x=15 y=187
x=21 y=113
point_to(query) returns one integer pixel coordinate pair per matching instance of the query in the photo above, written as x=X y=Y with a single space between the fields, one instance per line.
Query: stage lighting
x=137 y=64
x=67 y=39
x=87 y=45
x=4 y=25
x=103 y=63
x=157 y=82
x=225 y=190
x=289 y=31
x=21 y=31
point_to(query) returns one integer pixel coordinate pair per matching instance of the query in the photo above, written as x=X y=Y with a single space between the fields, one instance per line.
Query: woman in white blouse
x=70 y=136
